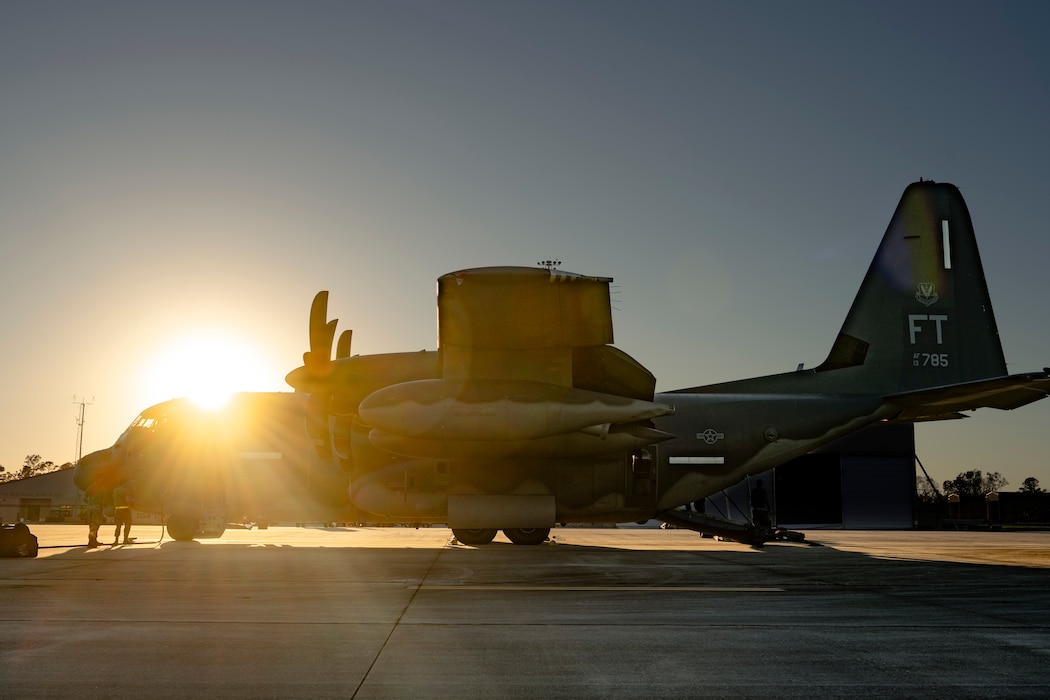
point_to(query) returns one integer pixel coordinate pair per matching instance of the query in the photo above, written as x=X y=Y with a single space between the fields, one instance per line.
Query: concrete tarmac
x=602 y=613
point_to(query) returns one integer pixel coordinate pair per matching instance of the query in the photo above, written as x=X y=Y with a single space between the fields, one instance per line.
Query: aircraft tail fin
x=923 y=317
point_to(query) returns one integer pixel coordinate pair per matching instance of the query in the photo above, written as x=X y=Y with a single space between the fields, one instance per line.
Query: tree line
x=34 y=465
x=974 y=482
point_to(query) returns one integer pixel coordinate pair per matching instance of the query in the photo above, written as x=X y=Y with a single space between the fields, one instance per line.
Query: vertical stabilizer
x=922 y=317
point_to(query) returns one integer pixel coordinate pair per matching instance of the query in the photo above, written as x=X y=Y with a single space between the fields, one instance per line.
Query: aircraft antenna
x=81 y=405
x=549 y=264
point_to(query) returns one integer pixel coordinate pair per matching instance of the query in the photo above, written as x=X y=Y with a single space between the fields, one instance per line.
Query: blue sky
x=179 y=175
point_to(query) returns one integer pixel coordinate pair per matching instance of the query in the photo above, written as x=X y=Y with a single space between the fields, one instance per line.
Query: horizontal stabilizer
x=1004 y=393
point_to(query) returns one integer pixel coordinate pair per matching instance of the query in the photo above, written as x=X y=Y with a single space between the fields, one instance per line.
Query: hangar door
x=877 y=492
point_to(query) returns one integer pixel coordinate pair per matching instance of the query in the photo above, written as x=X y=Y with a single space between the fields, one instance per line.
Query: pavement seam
x=397 y=622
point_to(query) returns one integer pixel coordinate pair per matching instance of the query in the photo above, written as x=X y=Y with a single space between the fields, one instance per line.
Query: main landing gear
x=527 y=535
x=517 y=535
x=184 y=528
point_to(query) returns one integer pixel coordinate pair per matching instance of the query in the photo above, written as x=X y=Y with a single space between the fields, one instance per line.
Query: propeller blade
x=315 y=373
x=342 y=349
x=317 y=423
x=322 y=331
x=342 y=440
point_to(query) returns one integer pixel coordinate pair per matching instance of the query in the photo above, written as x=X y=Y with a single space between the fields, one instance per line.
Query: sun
x=207 y=367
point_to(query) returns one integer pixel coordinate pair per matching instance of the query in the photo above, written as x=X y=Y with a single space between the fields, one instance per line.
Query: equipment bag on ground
x=17 y=541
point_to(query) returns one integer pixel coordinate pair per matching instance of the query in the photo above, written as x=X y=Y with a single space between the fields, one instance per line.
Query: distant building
x=50 y=497
x=996 y=509
x=46 y=497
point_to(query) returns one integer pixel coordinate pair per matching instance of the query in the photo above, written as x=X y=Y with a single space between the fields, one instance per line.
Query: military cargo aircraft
x=248 y=462
x=526 y=416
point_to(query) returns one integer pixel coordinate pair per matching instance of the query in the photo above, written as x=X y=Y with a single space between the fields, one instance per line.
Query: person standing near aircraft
x=122 y=512
x=95 y=518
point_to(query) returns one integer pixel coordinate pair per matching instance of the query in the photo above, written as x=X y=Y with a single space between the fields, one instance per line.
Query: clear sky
x=178 y=179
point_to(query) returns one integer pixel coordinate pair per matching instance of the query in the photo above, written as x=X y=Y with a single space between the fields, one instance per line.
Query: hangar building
x=864 y=481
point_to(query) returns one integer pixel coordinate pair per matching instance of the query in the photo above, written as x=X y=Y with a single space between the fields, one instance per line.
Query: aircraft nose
x=93 y=459
x=88 y=467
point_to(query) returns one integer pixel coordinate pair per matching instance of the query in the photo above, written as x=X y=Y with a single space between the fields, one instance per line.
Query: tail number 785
x=929 y=359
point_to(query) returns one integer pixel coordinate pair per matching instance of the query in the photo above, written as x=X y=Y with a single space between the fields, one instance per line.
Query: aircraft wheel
x=182 y=527
x=212 y=527
x=527 y=535
x=473 y=536
x=214 y=531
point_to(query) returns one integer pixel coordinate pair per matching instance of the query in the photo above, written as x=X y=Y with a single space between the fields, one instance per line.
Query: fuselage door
x=640 y=488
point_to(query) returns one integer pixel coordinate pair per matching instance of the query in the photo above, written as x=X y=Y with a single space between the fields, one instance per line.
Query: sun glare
x=207 y=368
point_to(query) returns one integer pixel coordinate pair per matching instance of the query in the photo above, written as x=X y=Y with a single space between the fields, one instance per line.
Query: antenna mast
x=82 y=404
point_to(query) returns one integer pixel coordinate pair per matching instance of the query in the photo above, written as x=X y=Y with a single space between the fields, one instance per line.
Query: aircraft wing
x=1004 y=393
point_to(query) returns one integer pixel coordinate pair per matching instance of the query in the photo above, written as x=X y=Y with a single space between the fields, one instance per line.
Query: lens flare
x=206 y=367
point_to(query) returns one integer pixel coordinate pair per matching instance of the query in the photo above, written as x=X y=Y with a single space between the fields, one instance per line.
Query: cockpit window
x=143 y=422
